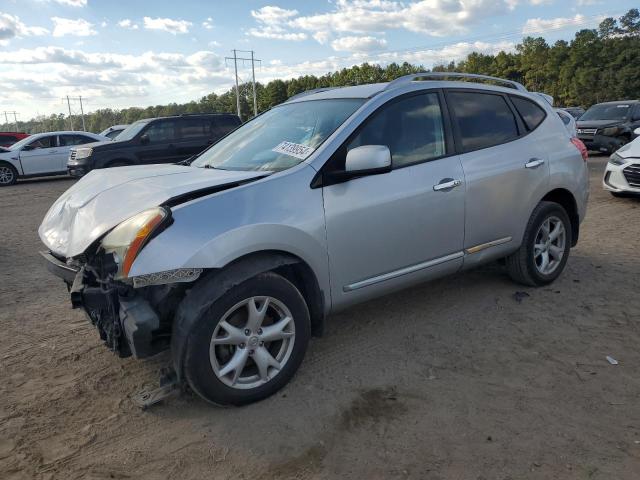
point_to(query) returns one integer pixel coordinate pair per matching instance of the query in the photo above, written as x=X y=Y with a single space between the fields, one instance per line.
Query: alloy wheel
x=252 y=342
x=6 y=175
x=549 y=246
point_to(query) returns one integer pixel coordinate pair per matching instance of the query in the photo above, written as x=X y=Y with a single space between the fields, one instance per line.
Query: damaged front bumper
x=126 y=318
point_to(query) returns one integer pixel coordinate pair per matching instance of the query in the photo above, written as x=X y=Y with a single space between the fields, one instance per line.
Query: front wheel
x=8 y=175
x=545 y=247
x=249 y=343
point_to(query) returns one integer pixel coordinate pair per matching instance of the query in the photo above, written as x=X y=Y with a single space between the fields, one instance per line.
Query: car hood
x=598 y=123
x=630 y=150
x=104 y=144
x=104 y=198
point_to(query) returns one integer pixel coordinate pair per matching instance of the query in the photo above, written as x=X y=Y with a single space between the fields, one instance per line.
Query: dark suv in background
x=605 y=127
x=154 y=140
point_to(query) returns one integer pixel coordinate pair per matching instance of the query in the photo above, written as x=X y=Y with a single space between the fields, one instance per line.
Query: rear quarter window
x=532 y=114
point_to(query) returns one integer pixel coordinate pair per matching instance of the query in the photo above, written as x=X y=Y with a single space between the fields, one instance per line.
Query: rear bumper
x=600 y=143
x=125 y=320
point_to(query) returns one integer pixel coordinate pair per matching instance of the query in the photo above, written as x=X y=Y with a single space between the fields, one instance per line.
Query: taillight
x=581 y=148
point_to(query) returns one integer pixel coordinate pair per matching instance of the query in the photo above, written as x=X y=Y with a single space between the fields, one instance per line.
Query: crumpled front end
x=130 y=321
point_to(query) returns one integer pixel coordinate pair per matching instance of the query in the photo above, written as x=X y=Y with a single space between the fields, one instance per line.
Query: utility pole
x=15 y=118
x=82 y=113
x=253 y=75
x=70 y=117
x=235 y=59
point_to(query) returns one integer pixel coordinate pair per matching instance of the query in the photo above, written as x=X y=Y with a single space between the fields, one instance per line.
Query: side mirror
x=27 y=148
x=144 y=139
x=637 y=131
x=367 y=160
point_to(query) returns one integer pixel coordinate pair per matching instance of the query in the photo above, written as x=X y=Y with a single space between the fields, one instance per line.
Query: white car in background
x=622 y=174
x=41 y=155
x=113 y=131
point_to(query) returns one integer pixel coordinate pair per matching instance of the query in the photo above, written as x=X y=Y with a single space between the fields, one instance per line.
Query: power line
x=253 y=60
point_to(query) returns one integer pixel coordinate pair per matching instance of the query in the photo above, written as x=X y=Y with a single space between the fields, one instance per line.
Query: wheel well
x=565 y=198
x=9 y=164
x=294 y=269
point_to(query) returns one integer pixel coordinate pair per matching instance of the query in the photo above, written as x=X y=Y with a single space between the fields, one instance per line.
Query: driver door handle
x=534 y=163
x=447 y=184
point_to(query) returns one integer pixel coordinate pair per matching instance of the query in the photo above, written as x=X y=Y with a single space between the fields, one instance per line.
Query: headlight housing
x=83 y=152
x=616 y=159
x=609 y=131
x=127 y=239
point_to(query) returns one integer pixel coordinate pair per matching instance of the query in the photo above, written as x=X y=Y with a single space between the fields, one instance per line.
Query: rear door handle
x=447 y=184
x=534 y=163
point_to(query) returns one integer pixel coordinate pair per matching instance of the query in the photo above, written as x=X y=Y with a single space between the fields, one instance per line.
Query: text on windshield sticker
x=293 y=149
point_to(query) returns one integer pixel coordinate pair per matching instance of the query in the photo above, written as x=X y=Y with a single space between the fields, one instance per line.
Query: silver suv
x=335 y=197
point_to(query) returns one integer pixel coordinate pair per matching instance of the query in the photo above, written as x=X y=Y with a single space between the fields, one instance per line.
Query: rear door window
x=193 y=128
x=532 y=115
x=411 y=127
x=482 y=119
x=220 y=126
x=163 y=131
x=70 y=140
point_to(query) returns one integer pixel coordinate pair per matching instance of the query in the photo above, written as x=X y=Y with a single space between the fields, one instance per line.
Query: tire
x=206 y=366
x=8 y=174
x=528 y=269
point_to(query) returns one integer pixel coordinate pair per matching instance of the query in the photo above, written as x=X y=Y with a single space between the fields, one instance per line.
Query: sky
x=120 y=53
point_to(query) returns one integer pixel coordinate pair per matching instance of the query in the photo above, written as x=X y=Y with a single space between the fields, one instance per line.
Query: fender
x=212 y=287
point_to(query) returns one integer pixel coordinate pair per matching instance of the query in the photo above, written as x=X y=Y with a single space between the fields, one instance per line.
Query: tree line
x=597 y=65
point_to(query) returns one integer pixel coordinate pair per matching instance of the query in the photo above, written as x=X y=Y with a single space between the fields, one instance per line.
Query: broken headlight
x=127 y=239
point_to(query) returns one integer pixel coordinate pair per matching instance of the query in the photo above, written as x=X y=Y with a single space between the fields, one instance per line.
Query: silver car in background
x=333 y=198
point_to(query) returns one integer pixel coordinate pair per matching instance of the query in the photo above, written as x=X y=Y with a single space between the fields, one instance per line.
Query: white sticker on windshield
x=294 y=150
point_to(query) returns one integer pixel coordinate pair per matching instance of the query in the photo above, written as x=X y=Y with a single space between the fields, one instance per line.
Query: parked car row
x=155 y=140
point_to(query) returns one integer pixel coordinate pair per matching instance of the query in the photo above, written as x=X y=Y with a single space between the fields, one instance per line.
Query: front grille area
x=632 y=174
x=587 y=131
x=72 y=155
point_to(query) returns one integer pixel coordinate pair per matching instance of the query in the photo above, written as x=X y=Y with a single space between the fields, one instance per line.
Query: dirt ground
x=454 y=379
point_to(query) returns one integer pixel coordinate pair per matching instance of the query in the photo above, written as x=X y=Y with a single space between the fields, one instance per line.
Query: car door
x=195 y=133
x=68 y=140
x=158 y=142
x=389 y=230
x=505 y=165
x=41 y=156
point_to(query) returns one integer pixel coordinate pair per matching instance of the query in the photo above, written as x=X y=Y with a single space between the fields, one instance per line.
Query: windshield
x=607 y=112
x=280 y=138
x=20 y=144
x=132 y=130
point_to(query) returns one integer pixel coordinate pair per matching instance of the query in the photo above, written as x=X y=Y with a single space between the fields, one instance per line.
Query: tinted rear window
x=483 y=119
x=531 y=114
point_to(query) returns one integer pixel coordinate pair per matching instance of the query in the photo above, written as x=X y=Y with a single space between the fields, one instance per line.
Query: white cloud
x=127 y=23
x=540 y=25
x=272 y=15
x=272 y=23
x=358 y=44
x=12 y=27
x=68 y=26
x=540 y=2
x=208 y=23
x=167 y=24
x=72 y=3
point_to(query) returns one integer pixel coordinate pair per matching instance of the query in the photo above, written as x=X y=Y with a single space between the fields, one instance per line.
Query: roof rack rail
x=310 y=92
x=444 y=75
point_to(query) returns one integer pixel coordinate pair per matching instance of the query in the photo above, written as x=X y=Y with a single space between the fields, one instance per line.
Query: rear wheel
x=249 y=343
x=8 y=175
x=545 y=247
